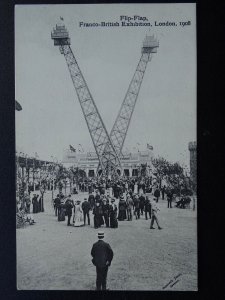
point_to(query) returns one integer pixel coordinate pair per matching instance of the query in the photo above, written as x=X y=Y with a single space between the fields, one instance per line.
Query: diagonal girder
x=104 y=148
x=122 y=122
x=108 y=148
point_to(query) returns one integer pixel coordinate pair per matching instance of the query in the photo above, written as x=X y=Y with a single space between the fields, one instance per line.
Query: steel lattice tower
x=104 y=148
x=121 y=125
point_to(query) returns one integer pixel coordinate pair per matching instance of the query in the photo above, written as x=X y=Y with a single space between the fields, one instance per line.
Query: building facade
x=89 y=162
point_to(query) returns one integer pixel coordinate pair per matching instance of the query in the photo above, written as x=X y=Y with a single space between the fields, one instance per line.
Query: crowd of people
x=110 y=202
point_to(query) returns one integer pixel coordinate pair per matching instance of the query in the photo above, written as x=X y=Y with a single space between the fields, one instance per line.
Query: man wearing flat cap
x=102 y=256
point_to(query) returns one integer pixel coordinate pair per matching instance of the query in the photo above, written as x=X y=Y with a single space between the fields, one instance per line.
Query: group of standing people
x=134 y=205
x=104 y=209
x=36 y=201
x=116 y=187
x=66 y=206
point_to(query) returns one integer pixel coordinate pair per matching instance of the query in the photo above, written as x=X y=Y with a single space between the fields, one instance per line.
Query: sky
x=52 y=119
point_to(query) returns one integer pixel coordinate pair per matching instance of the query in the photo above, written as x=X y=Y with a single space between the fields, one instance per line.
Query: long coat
x=157 y=193
x=91 y=200
x=86 y=206
x=102 y=254
x=142 y=202
x=148 y=206
x=122 y=210
x=113 y=216
x=98 y=219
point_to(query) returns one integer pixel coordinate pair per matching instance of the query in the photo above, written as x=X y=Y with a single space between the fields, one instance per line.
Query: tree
x=162 y=168
x=61 y=177
x=77 y=174
x=172 y=173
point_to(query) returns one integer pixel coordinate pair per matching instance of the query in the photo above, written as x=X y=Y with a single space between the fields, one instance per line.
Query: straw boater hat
x=101 y=234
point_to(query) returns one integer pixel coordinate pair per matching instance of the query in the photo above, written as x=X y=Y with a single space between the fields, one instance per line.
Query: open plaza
x=51 y=255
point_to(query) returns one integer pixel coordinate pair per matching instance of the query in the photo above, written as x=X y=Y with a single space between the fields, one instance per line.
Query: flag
x=81 y=147
x=72 y=149
x=149 y=147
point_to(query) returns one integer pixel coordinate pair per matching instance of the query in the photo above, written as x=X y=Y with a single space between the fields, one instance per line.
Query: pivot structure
x=107 y=155
x=122 y=122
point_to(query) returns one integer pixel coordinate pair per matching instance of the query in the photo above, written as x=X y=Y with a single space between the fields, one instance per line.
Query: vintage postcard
x=106 y=147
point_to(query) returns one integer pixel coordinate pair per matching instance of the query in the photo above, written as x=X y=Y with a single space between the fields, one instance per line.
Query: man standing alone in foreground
x=102 y=256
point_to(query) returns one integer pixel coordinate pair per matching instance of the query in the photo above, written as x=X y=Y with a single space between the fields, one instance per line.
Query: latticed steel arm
x=104 y=148
x=121 y=125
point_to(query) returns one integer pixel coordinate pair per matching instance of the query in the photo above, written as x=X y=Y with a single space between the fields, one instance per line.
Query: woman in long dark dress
x=98 y=215
x=122 y=209
x=113 y=215
x=35 y=204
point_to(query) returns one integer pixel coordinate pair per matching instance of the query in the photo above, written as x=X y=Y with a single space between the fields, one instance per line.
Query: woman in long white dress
x=135 y=188
x=78 y=215
x=110 y=191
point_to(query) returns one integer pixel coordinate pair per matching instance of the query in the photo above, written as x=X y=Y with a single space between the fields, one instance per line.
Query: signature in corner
x=173 y=281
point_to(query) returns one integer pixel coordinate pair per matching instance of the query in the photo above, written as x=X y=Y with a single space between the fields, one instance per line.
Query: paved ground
x=53 y=256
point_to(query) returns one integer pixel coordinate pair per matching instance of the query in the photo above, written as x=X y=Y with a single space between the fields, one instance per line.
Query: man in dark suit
x=163 y=191
x=169 y=197
x=102 y=256
x=56 y=204
x=157 y=194
x=148 y=208
x=142 y=203
x=69 y=205
x=86 y=206
x=136 y=207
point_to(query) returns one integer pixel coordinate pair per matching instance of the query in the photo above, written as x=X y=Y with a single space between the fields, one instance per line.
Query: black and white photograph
x=106 y=147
